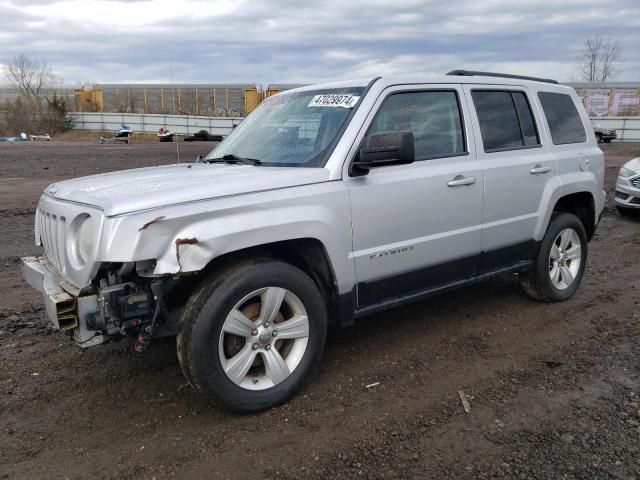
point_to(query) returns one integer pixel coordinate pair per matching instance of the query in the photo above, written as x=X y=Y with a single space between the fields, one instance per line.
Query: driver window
x=434 y=117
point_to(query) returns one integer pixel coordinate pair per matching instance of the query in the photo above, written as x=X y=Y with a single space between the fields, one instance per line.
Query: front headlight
x=626 y=173
x=85 y=237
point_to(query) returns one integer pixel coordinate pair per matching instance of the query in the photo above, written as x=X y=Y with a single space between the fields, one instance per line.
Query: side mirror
x=382 y=149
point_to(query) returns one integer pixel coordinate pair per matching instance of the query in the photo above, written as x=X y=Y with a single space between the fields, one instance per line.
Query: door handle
x=461 y=180
x=538 y=169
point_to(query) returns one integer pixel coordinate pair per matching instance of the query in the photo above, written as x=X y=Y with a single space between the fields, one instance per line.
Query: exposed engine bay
x=124 y=300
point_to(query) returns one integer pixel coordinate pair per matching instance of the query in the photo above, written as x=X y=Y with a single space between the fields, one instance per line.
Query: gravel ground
x=554 y=389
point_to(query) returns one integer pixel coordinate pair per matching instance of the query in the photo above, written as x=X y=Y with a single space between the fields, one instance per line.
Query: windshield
x=292 y=129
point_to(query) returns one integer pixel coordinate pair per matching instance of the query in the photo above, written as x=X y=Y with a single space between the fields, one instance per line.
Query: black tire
x=203 y=318
x=537 y=282
x=599 y=137
x=608 y=140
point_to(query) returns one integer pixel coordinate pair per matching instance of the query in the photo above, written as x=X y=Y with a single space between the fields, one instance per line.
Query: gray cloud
x=288 y=41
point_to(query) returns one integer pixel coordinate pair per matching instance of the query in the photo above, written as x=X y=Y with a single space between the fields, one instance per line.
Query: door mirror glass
x=385 y=148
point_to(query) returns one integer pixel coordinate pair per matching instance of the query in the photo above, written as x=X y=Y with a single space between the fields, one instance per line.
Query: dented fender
x=185 y=238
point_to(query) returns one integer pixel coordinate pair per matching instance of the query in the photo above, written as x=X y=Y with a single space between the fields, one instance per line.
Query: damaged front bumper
x=118 y=303
x=68 y=309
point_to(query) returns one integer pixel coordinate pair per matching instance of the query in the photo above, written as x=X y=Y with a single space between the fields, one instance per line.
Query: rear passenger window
x=506 y=120
x=563 y=118
x=527 y=123
x=433 y=116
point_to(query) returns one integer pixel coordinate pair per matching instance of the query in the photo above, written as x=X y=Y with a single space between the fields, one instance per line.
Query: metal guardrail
x=627 y=128
x=151 y=123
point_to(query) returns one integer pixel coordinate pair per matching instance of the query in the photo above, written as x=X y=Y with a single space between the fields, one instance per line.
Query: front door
x=417 y=227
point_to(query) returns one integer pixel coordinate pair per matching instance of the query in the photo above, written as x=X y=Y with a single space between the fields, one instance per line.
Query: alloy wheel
x=565 y=259
x=264 y=338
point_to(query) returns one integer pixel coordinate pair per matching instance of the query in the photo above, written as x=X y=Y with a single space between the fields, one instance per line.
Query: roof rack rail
x=472 y=73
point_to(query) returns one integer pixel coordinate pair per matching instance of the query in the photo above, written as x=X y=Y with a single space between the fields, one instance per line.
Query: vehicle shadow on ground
x=430 y=313
x=631 y=216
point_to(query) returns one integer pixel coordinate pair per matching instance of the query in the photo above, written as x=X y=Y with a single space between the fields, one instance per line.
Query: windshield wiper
x=231 y=158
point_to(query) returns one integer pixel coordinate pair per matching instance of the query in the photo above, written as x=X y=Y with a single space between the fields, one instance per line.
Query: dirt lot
x=554 y=389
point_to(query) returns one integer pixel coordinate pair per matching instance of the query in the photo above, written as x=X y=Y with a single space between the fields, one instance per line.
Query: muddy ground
x=554 y=389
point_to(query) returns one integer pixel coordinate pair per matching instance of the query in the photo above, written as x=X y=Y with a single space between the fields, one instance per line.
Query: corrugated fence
x=612 y=99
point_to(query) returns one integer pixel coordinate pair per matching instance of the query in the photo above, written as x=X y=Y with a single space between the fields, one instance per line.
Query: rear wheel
x=559 y=266
x=253 y=335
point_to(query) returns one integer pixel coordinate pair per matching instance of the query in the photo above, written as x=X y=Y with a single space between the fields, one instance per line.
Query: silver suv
x=329 y=202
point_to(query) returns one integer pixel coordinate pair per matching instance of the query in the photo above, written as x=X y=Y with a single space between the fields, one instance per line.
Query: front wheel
x=253 y=335
x=560 y=263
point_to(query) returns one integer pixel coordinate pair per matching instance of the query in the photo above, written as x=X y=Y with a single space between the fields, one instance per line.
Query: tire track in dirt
x=14 y=212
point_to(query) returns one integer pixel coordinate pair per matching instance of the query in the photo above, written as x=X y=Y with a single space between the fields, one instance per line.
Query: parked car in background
x=17 y=138
x=203 y=136
x=604 y=135
x=628 y=187
x=165 y=135
x=327 y=203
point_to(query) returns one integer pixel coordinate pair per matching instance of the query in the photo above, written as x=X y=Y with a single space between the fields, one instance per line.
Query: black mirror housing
x=385 y=148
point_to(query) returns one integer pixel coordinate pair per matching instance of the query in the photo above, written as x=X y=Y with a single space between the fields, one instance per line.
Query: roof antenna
x=173 y=93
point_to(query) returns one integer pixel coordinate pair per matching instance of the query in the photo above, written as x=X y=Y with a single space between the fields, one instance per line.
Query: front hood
x=633 y=165
x=144 y=188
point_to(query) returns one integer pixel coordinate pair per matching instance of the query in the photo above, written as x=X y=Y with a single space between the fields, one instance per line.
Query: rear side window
x=563 y=118
x=527 y=123
x=433 y=116
x=506 y=120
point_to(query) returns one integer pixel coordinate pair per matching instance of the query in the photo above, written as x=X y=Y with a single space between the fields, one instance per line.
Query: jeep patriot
x=327 y=203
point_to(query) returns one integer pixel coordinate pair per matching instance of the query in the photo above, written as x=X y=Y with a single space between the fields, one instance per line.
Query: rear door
x=417 y=226
x=517 y=169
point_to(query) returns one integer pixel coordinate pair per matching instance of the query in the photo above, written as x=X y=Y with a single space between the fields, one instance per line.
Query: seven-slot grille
x=635 y=182
x=53 y=232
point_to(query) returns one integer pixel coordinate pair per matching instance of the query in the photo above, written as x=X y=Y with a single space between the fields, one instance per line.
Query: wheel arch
x=308 y=254
x=582 y=205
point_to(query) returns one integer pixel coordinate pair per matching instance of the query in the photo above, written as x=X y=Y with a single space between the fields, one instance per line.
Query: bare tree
x=600 y=59
x=610 y=60
x=30 y=77
x=37 y=107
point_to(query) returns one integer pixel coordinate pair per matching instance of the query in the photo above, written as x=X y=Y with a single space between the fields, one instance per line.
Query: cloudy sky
x=286 y=41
